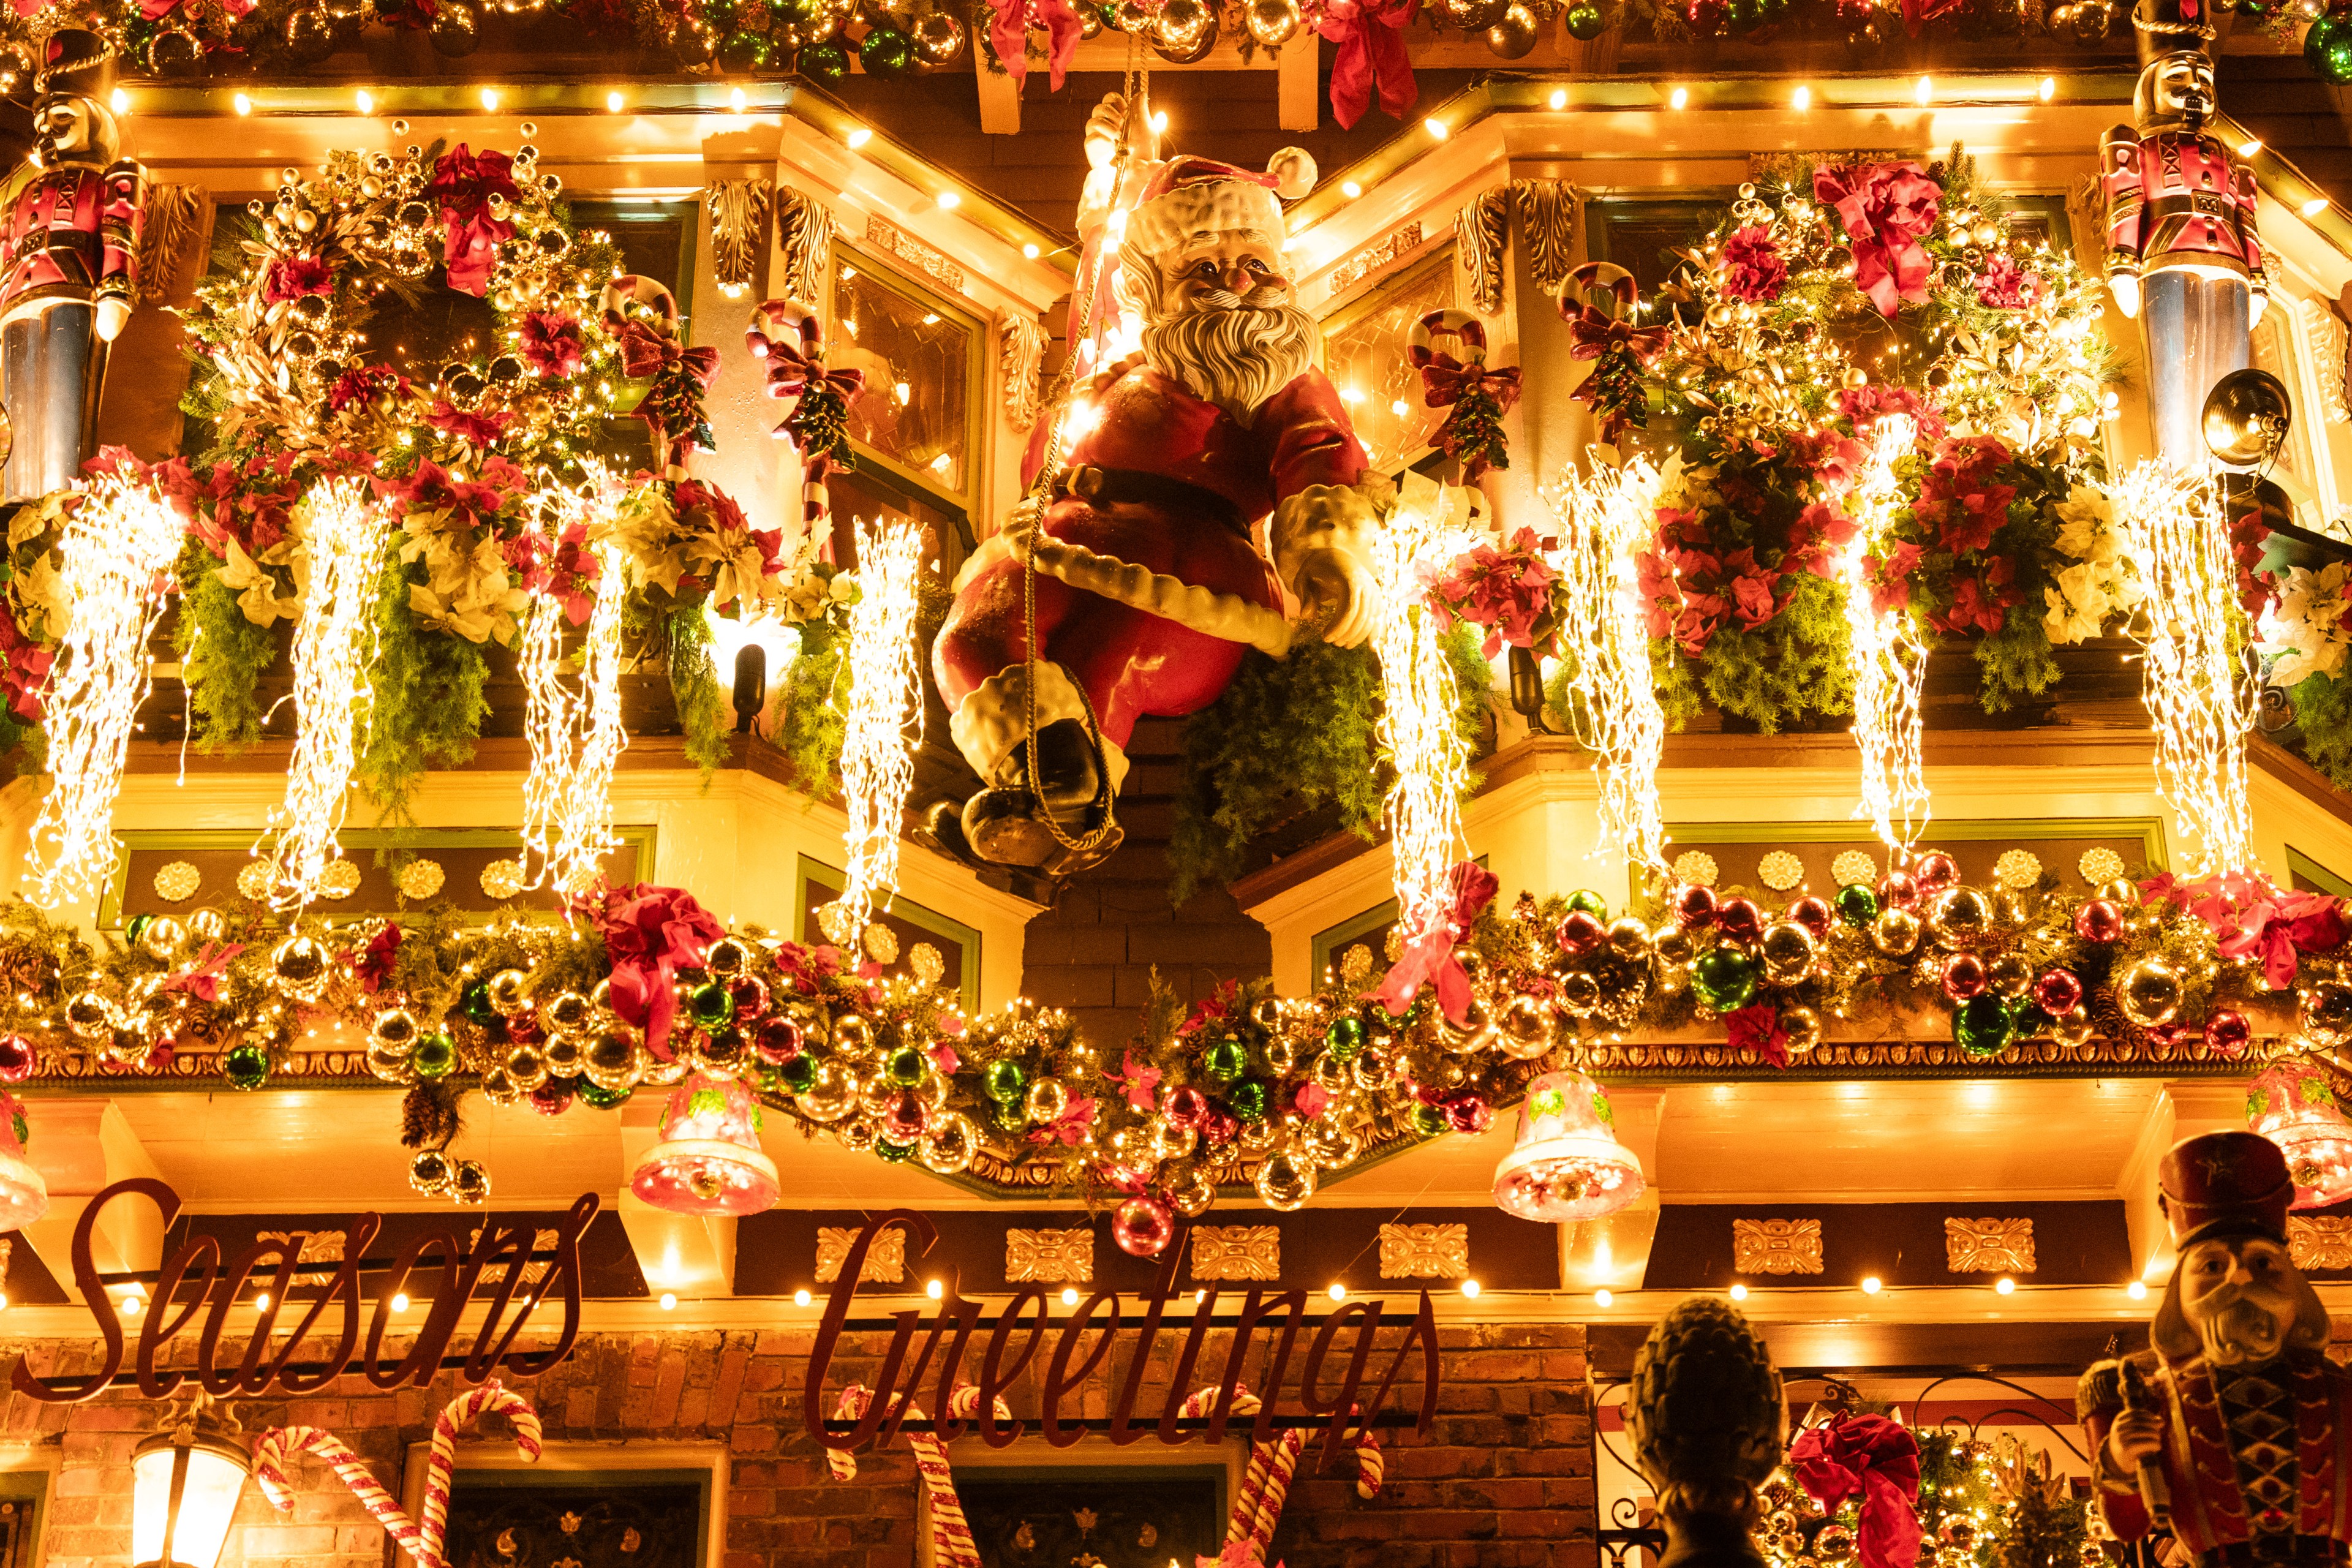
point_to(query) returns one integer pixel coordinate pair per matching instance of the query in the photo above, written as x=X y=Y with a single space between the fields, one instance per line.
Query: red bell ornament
x=709 y=1160
x=23 y=1196
x=2294 y=1107
x=1566 y=1163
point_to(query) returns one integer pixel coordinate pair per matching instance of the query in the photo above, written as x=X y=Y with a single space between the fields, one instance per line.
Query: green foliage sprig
x=222 y=656
x=428 y=700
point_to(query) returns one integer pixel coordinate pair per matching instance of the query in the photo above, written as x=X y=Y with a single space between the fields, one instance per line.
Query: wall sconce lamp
x=185 y=1482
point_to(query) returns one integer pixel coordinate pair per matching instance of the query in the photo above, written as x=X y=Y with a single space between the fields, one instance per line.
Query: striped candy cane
x=274 y=1450
x=790 y=336
x=1266 y=1480
x=951 y=1539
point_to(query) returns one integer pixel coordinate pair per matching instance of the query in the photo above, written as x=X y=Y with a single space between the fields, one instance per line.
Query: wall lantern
x=185 y=1482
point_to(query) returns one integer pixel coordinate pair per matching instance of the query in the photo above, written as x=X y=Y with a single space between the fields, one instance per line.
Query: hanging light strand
x=885 y=715
x=117 y=549
x=575 y=734
x=341 y=537
x=1604 y=521
x=1886 y=655
x=2198 y=689
x=1417 y=730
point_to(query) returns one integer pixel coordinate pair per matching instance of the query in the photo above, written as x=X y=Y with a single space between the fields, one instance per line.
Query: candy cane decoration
x=791 y=337
x=274 y=1450
x=1265 y=1481
x=951 y=1541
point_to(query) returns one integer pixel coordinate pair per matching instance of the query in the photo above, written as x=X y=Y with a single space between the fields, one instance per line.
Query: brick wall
x=1504 y=1478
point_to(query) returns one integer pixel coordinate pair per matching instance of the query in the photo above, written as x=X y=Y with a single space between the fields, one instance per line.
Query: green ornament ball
x=1586 y=23
x=247 y=1065
x=1344 y=1039
x=1591 y=902
x=1429 y=1121
x=1981 y=1026
x=473 y=1002
x=796 y=1074
x=600 y=1099
x=744 y=50
x=2327 y=50
x=1723 y=978
x=1011 y=1118
x=138 y=927
x=906 y=1066
x=1856 y=904
x=434 y=1056
x=1006 y=1082
x=802 y=15
x=714 y=1005
x=886 y=52
x=1227 y=1060
x=1247 y=1099
x=828 y=61
x=894 y=1153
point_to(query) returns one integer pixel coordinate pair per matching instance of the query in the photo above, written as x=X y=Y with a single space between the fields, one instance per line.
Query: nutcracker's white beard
x=1235 y=351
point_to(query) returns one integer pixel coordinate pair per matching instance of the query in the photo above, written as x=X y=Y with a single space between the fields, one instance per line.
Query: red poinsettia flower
x=1886 y=209
x=1820 y=529
x=1507 y=591
x=1863 y=407
x=1753 y=269
x=2003 y=285
x=2256 y=593
x=294 y=276
x=23 y=668
x=362 y=384
x=1757 y=1027
x=481 y=430
x=1890 y=576
x=433 y=488
x=1958 y=497
x=550 y=343
x=1978 y=604
x=1751 y=587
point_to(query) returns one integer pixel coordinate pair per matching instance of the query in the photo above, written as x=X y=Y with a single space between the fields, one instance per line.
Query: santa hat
x=1189 y=197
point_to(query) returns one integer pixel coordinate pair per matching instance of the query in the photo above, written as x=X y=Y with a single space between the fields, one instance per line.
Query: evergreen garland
x=222 y=655
x=2323 y=711
x=705 y=711
x=813 y=720
x=428 y=701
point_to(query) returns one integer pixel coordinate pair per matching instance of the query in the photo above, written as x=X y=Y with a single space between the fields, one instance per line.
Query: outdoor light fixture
x=185 y=1481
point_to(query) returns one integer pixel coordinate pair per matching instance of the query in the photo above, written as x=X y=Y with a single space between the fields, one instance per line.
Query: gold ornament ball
x=394 y=1030
x=1183 y=24
x=508 y=993
x=90 y=1015
x=832 y=1094
x=499 y=1088
x=1272 y=22
x=1334 y=1147
x=857 y=1134
x=1047 y=1098
x=2073 y=1029
x=1515 y=35
x=1472 y=16
x=1959 y=916
x=947 y=1144
x=302 y=966
x=2122 y=892
x=562 y=1053
x=526 y=1065
x=1526 y=1029
x=852 y=1034
x=162 y=938
x=566 y=1013
x=1629 y=938
x=611 y=1060
x=2150 y=994
x=2328 y=1014
x=939 y=38
x=1896 y=932
x=2009 y=975
x=207 y=925
x=1580 y=993
x=1189 y=1190
x=727 y=958
x=1674 y=945
x=1802 y=1027
x=1788 y=949
x=1286 y=1181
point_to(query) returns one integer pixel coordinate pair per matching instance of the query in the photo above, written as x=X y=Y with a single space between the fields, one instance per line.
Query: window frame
x=879 y=265
x=1370 y=298
x=614 y=1462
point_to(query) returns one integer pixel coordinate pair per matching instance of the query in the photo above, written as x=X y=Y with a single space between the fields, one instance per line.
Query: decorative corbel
x=173 y=226
x=804 y=230
x=1550 y=214
x=739 y=226
x=1481 y=229
x=1021 y=351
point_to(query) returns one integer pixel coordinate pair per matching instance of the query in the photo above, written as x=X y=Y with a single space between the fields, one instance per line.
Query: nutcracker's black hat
x=2163 y=28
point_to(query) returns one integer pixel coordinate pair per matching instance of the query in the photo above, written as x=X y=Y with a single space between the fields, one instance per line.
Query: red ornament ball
x=1899 y=890
x=1741 y=920
x=553 y=1098
x=1470 y=1113
x=2057 y=991
x=1964 y=976
x=750 y=993
x=1935 y=871
x=779 y=1040
x=2098 y=920
x=17 y=1058
x=1580 y=931
x=1812 y=914
x=2226 y=1034
x=1695 y=907
x=1184 y=1106
x=903 y=1117
x=1143 y=1226
x=1218 y=1127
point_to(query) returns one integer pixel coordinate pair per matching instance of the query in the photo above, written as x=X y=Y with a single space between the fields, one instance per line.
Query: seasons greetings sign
x=1331 y=1372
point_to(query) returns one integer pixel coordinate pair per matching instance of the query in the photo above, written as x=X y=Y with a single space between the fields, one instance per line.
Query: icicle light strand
x=342 y=538
x=1604 y=522
x=576 y=735
x=2200 y=692
x=1417 y=730
x=118 y=544
x=1889 y=659
x=884 y=714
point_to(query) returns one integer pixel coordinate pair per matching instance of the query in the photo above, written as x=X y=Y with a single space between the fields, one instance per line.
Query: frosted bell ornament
x=709 y=1160
x=1566 y=1163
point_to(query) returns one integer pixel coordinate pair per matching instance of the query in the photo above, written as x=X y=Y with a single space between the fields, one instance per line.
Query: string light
x=576 y=737
x=1605 y=520
x=1886 y=655
x=1678 y=99
x=366 y=101
x=341 y=538
x=115 y=551
x=613 y=102
x=1416 y=731
x=885 y=714
x=2048 y=90
x=242 y=104
x=2197 y=687
x=1803 y=100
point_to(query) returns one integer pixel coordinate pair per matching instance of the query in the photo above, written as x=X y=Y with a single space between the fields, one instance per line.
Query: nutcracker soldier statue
x=2230 y=1428
x=73 y=210
x=1136 y=557
x=2184 y=254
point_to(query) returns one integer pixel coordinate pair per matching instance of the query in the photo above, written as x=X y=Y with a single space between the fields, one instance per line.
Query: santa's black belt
x=2291 y=1551
x=1133 y=487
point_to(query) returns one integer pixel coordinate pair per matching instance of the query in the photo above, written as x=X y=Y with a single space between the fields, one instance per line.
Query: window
x=1642 y=237
x=921 y=360
x=1364 y=353
x=910 y=923
x=586 y=1505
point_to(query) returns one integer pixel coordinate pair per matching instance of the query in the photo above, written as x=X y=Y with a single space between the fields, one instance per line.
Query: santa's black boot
x=1006 y=823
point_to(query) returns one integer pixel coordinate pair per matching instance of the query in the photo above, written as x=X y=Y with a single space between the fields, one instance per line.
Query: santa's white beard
x=1236 y=356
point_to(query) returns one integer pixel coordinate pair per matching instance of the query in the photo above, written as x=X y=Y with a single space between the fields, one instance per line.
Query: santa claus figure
x=2183 y=251
x=2230 y=1428
x=1195 y=481
x=74 y=209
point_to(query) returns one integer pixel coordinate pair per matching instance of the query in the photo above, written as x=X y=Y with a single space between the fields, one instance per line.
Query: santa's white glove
x=1319 y=538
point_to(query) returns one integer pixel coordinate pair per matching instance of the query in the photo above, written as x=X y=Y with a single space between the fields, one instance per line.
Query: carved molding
x=1425 y=1251
x=173 y=222
x=738 y=227
x=1549 y=211
x=1052 y=1256
x=1988 y=1246
x=1776 y=1246
x=1021 y=351
x=805 y=234
x=325 y=1247
x=896 y=243
x=533 y=1269
x=885 y=1260
x=1237 y=1252
x=2320 y=1240
x=1372 y=257
x=1481 y=230
x=2324 y=331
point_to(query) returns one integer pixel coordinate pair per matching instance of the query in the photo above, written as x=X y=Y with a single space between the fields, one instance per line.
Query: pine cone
x=428 y=1117
x=1706 y=1411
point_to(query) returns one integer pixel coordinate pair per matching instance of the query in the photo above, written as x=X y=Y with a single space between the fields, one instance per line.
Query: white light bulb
x=668 y=1301
x=736 y=100
x=1678 y=99
x=2004 y=1285
x=120 y=100
x=400 y=1302
x=261 y=1302
x=1558 y=98
x=1069 y=1295
x=1924 y=92
x=366 y=101
x=949 y=200
x=859 y=137
x=1339 y=1292
x=1803 y=100
x=613 y=102
x=1349 y=189
x=243 y=104
x=1030 y=251
x=800 y=1297
x=2137 y=1290
x=490 y=98
x=2313 y=207
x=1870 y=1286
x=1739 y=1292
x=1470 y=1288
x=1435 y=127
x=935 y=1289
x=2048 y=90
x=1604 y=1299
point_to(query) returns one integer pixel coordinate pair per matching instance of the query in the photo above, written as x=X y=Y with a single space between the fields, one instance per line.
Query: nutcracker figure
x=1132 y=581
x=73 y=209
x=2184 y=254
x=2231 y=1428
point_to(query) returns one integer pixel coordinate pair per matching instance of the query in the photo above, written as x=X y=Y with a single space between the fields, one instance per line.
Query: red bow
x=1594 y=332
x=463 y=183
x=1429 y=956
x=646 y=351
x=1876 y=1458
x=648 y=932
x=1371 y=36
x=1886 y=209
x=1009 y=33
x=1445 y=379
x=792 y=372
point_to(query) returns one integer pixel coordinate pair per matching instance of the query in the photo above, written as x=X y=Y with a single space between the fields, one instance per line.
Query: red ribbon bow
x=1886 y=208
x=646 y=352
x=1429 y=955
x=1009 y=31
x=463 y=183
x=1445 y=379
x=1371 y=36
x=1876 y=1458
x=649 y=933
x=792 y=372
x=1594 y=332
